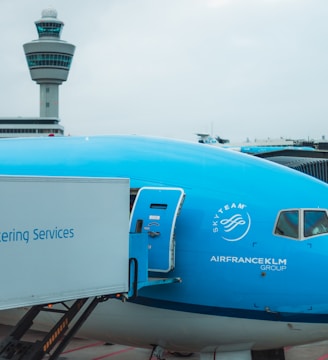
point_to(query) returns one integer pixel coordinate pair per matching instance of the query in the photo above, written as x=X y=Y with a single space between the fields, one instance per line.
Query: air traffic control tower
x=49 y=59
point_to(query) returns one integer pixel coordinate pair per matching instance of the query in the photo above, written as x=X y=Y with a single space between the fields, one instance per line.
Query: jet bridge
x=66 y=246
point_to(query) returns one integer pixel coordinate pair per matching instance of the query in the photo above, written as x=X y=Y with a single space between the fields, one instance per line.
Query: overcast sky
x=240 y=69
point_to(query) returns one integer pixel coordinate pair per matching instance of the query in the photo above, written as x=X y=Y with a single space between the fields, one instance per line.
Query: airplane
x=205 y=138
x=253 y=148
x=250 y=244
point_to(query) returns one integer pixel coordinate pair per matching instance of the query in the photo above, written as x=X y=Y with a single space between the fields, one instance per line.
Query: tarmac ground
x=82 y=349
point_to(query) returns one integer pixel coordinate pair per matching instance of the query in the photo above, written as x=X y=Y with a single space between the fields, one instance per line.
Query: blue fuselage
x=230 y=259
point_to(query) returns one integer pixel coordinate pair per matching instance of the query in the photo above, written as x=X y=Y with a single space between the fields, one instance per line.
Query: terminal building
x=49 y=59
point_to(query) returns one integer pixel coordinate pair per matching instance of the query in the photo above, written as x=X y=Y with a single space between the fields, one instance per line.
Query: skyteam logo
x=232 y=222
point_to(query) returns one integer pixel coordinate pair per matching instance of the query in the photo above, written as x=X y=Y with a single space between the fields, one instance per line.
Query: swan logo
x=232 y=222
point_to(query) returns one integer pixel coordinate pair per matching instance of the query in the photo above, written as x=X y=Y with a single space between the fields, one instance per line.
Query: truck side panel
x=62 y=238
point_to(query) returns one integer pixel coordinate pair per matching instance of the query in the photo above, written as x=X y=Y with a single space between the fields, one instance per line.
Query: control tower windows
x=52 y=29
x=36 y=60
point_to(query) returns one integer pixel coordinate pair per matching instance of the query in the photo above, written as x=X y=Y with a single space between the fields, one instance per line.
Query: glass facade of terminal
x=31 y=131
x=28 y=122
x=57 y=60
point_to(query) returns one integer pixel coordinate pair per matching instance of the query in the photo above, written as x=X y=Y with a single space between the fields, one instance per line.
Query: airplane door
x=154 y=212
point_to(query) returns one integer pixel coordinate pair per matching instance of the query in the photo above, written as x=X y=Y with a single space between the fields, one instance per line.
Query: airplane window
x=158 y=206
x=287 y=224
x=315 y=222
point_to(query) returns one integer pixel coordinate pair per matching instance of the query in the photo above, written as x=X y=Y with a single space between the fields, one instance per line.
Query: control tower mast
x=49 y=60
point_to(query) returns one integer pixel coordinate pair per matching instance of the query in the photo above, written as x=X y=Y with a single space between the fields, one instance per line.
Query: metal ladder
x=58 y=337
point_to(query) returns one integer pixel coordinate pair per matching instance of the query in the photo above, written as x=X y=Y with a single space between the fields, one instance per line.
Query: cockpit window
x=315 y=222
x=287 y=224
x=301 y=224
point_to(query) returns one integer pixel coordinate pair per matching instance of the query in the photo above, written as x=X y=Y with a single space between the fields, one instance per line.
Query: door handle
x=153 y=233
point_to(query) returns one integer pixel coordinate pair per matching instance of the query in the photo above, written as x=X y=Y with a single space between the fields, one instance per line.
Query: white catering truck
x=62 y=238
x=65 y=246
